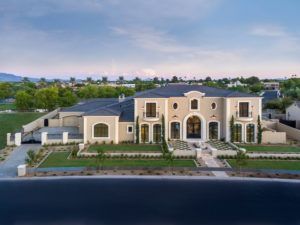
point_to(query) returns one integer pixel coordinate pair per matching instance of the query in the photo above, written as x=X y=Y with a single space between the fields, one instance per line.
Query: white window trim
x=101 y=138
x=145 y=108
x=149 y=133
x=212 y=107
x=249 y=109
x=153 y=130
x=255 y=133
x=127 y=129
x=180 y=129
x=219 y=128
x=198 y=104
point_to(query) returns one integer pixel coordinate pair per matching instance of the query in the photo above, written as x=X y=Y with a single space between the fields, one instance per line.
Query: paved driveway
x=8 y=168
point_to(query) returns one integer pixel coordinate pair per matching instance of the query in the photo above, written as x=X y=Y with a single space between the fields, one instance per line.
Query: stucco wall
x=111 y=121
x=290 y=131
x=123 y=135
x=293 y=112
x=273 y=137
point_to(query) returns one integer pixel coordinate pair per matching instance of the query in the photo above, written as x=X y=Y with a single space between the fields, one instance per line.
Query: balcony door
x=244 y=109
x=151 y=109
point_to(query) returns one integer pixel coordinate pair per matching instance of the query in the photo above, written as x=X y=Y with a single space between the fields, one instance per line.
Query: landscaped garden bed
x=62 y=159
x=272 y=148
x=267 y=164
x=125 y=148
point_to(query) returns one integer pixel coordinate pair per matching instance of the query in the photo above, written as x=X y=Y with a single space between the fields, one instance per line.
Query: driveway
x=8 y=168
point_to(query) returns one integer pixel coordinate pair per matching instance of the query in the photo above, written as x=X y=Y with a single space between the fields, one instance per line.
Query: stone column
x=8 y=142
x=44 y=138
x=65 y=137
x=18 y=139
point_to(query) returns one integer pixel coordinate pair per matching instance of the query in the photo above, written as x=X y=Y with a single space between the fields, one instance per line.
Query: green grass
x=258 y=148
x=7 y=107
x=59 y=159
x=126 y=148
x=268 y=164
x=12 y=122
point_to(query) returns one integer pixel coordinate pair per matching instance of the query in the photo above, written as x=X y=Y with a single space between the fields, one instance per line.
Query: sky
x=187 y=38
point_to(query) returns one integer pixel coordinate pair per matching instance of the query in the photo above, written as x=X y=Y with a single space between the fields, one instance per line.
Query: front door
x=193 y=128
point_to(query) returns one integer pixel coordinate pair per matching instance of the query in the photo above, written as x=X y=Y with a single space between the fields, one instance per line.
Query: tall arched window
x=237 y=133
x=250 y=133
x=157 y=133
x=144 y=133
x=100 y=130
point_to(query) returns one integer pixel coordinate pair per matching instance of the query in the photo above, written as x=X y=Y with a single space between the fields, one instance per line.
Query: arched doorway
x=193 y=127
x=213 y=131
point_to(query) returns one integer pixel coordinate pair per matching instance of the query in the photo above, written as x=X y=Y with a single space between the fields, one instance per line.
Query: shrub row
x=262 y=157
x=137 y=156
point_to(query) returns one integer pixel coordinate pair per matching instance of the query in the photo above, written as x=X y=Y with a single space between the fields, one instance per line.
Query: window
x=100 y=130
x=213 y=130
x=145 y=133
x=244 y=109
x=150 y=109
x=237 y=137
x=175 y=106
x=250 y=133
x=129 y=129
x=175 y=130
x=157 y=133
x=194 y=104
x=213 y=105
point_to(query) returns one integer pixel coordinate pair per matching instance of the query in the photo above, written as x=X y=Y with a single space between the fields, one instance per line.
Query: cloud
x=268 y=31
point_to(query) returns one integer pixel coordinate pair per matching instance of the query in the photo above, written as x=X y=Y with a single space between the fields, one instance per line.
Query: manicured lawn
x=59 y=159
x=258 y=148
x=12 y=122
x=269 y=164
x=7 y=107
x=126 y=148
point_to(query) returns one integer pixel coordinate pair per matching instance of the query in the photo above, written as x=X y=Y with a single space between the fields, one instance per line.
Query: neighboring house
x=190 y=113
x=271 y=86
x=270 y=95
x=236 y=84
x=293 y=114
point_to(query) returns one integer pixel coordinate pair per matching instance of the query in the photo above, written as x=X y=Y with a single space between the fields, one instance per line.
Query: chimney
x=121 y=97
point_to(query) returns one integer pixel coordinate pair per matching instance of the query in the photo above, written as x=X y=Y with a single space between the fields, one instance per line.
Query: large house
x=189 y=113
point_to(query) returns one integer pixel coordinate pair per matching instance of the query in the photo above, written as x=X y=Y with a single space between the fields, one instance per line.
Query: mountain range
x=5 y=77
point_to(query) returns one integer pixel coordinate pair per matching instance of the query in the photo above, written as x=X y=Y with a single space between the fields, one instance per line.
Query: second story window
x=194 y=104
x=151 y=109
x=244 y=109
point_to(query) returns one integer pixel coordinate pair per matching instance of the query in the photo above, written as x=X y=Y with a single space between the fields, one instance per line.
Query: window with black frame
x=244 y=109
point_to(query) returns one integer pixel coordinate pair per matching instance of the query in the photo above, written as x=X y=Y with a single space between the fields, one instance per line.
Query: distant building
x=271 y=86
x=270 y=95
x=293 y=111
x=235 y=84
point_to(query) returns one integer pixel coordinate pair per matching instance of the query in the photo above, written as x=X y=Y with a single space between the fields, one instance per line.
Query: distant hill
x=5 y=77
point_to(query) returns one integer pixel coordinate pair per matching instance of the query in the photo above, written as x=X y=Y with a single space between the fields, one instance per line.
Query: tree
x=47 y=98
x=174 y=79
x=6 y=90
x=67 y=98
x=31 y=158
x=100 y=158
x=25 y=79
x=137 y=131
x=104 y=80
x=252 y=80
x=169 y=157
x=241 y=160
x=88 y=91
x=207 y=79
x=24 y=101
x=120 y=80
x=72 y=80
x=259 y=130
x=89 y=80
x=232 y=132
x=163 y=128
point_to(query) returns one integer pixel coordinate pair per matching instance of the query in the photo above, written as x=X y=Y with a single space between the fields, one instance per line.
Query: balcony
x=150 y=116
x=248 y=117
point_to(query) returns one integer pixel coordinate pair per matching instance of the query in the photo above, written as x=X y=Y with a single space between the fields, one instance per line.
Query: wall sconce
x=213 y=117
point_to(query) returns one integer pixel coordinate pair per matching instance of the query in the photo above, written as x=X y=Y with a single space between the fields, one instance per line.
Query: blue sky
x=220 y=38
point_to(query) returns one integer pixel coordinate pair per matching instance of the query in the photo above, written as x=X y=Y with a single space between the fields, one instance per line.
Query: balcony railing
x=151 y=115
x=242 y=117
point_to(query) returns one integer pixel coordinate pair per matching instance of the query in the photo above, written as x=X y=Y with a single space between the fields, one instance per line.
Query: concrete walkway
x=211 y=162
x=8 y=168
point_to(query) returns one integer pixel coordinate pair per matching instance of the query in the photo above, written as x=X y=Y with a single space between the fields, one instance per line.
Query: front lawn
x=59 y=159
x=126 y=148
x=7 y=107
x=268 y=164
x=12 y=122
x=277 y=149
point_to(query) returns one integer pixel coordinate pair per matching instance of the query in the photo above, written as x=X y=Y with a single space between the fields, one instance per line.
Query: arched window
x=194 y=104
x=175 y=130
x=157 y=133
x=213 y=130
x=237 y=133
x=250 y=133
x=100 y=130
x=193 y=127
x=144 y=133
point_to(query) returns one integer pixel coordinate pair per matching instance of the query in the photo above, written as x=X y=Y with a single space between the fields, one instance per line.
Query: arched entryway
x=193 y=128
